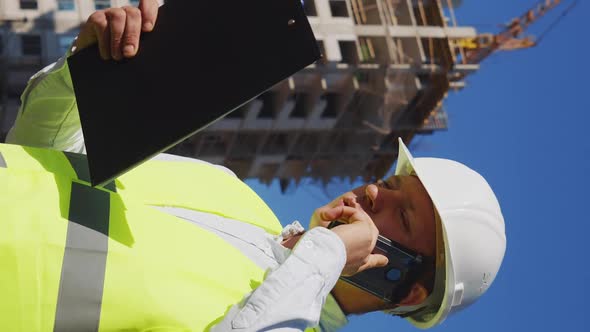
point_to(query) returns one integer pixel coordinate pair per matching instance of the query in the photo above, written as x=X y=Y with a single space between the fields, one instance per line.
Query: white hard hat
x=471 y=239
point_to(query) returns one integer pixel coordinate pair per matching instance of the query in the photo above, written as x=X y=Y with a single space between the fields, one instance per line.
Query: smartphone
x=394 y=278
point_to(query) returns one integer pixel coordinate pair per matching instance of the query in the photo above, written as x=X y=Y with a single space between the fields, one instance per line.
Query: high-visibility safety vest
x=80 y=258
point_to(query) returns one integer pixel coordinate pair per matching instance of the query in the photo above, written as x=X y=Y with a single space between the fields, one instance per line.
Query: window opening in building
x=309 y=7
x=66 y=5
x=332 y=105
x=268 y=105
x=102 y=4
x=31 y=44
x=348 y=51
x=338 y=8
x=397 y=12
x=299 y=111
x=246 y=145
x=366 y=12
x=409 y=50
x=367 y=50
x=374 y=50
x=28 y=4
x=276 y=143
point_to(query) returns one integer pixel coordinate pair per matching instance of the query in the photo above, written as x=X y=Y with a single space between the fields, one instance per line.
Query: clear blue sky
x=522 y=122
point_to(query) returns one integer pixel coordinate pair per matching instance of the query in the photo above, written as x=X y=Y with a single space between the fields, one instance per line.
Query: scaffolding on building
x=384 y=75
x=386 y=69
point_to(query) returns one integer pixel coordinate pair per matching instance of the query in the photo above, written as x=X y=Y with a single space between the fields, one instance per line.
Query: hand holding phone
x=387 y=281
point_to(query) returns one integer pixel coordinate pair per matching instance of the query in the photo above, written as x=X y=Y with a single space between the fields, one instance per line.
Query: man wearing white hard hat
x=440 y=213
x=180 y=244
x=471 y=239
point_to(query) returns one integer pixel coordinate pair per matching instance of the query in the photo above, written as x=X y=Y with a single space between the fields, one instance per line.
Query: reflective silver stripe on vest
x=82 y=276
x=79 y=163
x=252 y=241
x=2 y=161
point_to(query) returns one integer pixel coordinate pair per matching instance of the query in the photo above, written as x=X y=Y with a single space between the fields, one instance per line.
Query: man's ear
x=416 y=295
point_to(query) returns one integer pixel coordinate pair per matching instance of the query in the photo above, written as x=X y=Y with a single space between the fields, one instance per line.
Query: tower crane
x=512 y=36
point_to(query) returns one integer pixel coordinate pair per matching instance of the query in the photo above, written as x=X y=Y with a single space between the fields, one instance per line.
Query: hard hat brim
x=442 y=296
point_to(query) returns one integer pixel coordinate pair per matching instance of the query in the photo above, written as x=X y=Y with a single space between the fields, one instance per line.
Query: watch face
x=190 y=71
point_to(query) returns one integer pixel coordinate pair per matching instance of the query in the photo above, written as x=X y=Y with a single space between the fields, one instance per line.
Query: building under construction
x=384 y=74
x=387 y=66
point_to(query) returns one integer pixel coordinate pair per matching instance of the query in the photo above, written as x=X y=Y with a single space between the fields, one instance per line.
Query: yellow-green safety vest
x=80 y=258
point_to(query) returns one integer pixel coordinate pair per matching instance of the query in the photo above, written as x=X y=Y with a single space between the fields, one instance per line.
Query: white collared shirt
x=298 y=283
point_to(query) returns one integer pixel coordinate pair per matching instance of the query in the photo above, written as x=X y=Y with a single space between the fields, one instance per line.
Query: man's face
x=402 y=210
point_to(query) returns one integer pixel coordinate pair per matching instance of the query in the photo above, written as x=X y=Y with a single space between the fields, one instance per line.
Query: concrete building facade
x=387 y=66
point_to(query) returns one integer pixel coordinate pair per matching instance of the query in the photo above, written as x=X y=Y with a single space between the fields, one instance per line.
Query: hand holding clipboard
x=201 y=61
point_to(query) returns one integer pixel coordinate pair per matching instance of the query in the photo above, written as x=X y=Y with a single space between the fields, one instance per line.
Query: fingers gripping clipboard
x=202 y=60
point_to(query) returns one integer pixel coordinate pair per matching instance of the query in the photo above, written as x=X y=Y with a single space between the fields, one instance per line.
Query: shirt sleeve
x=292 y=296
x=48 y=115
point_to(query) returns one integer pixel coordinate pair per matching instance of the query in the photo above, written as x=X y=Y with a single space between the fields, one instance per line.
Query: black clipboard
x=202 y=60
